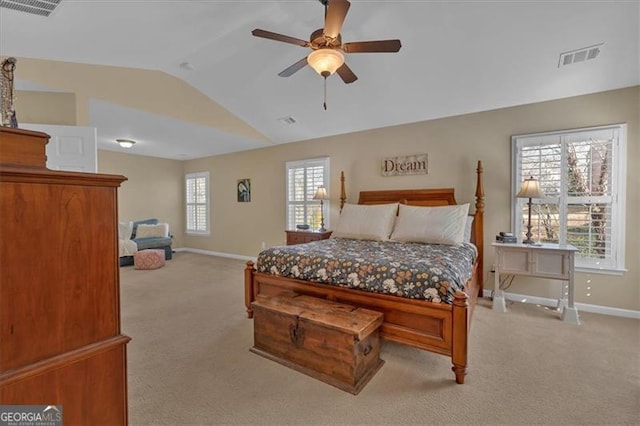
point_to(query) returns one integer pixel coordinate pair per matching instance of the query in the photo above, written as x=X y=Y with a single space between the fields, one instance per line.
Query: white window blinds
x=303 y=179
x=197 y=203
x=581 y=173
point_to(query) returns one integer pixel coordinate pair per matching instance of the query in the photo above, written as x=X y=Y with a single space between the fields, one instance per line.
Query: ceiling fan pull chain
x=325 y=93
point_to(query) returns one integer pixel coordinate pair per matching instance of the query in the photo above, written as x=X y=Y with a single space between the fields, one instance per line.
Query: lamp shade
x=530 y=189
x=321 y=194
x=325 y=61
x=125 y=143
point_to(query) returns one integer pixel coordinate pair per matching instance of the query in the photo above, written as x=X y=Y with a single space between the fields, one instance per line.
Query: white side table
x=555 y=261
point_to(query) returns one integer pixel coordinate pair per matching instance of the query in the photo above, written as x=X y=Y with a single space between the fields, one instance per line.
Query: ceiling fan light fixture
x=125 y=143
x=325 y=61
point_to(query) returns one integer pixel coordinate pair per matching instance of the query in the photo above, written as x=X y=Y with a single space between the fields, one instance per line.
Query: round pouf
x=148 y=259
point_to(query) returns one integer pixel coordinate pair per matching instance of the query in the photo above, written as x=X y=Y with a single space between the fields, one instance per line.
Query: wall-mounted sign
x=408 y=165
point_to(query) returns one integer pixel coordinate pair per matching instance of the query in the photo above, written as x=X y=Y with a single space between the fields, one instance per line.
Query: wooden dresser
x=301 y=237
x=60 y=338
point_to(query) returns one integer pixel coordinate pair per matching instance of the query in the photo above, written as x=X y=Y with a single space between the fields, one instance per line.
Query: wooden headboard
x=431 y=197
x=412 y=197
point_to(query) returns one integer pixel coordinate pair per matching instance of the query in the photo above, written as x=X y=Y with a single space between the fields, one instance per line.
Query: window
x=582 y=174
x=197 y=202
x=303 y=179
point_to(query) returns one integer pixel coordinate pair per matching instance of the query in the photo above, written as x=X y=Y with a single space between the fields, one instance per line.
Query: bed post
x=343 y=193
x=479 y=227
x=248 y=288
x=460 y=341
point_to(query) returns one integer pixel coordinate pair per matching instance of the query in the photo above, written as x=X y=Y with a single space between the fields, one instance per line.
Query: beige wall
x=147 y=90
x=153 y=189
x=454 y=145
x=154 y=185
x=46 y=107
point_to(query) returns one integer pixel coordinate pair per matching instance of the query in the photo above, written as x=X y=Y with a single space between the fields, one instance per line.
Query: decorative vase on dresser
x=60 y=337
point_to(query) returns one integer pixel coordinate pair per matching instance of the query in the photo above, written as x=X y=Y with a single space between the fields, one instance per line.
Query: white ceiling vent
x=36 y=7
x=579 y=55
x=287 y=121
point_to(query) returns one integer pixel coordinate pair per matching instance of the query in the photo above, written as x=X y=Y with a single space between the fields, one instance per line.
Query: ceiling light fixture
x=327 y=46
x=126 y=143
x=325 y=61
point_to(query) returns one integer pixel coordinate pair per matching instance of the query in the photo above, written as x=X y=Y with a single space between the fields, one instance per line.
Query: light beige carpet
x=189 y=364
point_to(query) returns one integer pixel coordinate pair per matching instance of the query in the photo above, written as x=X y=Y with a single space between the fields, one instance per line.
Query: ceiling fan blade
x=336 y=12
x=279 y=37
x=346 y=74
x=372 y=46
x=293 y=68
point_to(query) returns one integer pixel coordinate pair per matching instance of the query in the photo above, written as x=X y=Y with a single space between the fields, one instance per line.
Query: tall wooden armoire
x=60 y=338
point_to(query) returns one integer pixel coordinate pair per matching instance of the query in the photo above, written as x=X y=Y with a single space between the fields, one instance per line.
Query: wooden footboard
x=434 y=327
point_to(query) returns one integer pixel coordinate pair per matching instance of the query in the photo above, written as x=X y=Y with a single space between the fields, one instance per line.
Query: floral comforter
x=430 y=272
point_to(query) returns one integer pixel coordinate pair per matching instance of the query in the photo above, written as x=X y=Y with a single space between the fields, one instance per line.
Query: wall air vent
x=579 y=55
x=35 y=7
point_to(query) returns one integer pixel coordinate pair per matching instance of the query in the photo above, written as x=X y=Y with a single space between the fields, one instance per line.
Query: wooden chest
x=333 y=342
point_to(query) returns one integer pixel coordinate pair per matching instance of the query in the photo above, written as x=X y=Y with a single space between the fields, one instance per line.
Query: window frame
x=309 y=162
x=188 y=177
x=616 y=266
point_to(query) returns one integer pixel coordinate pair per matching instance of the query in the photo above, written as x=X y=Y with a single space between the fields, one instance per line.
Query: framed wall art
x=244 y=190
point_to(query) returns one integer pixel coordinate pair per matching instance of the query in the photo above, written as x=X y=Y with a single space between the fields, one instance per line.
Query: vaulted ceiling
x=187 y=79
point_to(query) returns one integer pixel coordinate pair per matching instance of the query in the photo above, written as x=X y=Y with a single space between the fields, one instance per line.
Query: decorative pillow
x=124 y=230
x=159 y=230
x=434 y=225
x=366 y=222
x=152 y=221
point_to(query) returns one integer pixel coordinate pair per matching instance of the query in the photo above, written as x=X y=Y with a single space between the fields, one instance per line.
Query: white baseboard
x=597 y=309
x=216 y=253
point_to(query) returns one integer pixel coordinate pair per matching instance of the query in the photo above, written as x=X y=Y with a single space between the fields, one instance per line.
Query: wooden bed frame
x=435 y=327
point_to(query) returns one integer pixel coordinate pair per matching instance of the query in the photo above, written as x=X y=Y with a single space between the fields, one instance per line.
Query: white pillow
x=467 y=229
x=434 y=225
x=146 y=231
x=124 y=230
x=366 y=222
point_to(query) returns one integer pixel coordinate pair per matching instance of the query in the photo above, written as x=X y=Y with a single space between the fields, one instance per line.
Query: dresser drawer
x=295 y=238
x=301 y=237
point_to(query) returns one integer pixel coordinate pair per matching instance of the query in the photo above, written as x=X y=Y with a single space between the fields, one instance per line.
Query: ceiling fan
x=327 y=47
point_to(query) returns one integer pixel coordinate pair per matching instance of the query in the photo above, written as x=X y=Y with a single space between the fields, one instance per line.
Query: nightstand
x=553 y=261
x=301 y=237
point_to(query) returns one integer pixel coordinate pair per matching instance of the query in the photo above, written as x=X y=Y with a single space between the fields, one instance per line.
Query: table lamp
x=321 y=194
x=530 y=189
